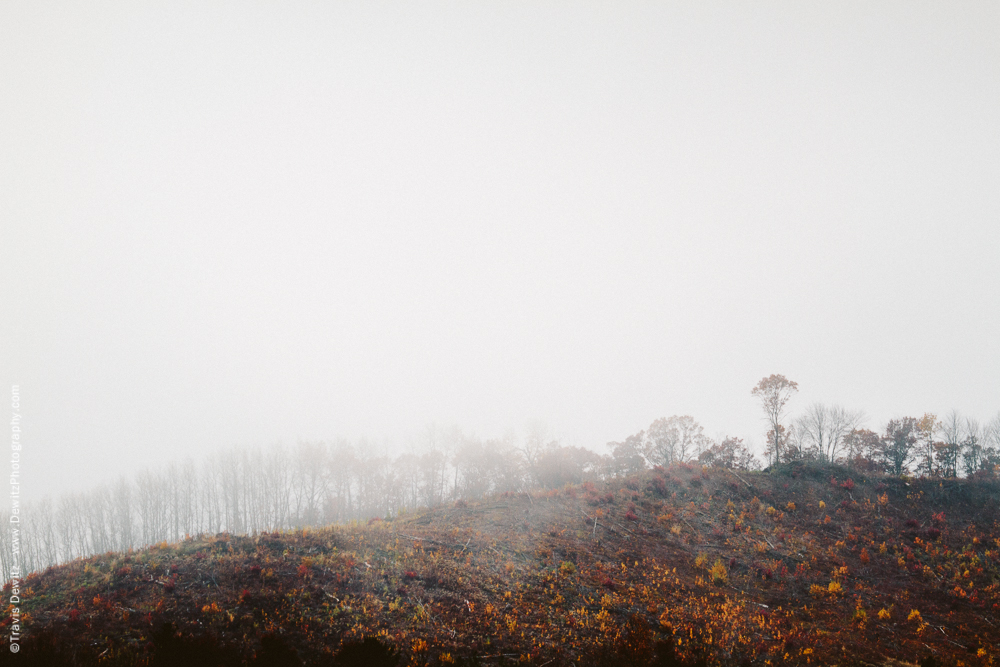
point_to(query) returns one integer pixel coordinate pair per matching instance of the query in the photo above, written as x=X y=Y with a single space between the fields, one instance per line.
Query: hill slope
x=796 y=566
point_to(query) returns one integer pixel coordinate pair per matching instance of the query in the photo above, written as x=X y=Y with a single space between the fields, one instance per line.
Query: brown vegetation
x=803 y=564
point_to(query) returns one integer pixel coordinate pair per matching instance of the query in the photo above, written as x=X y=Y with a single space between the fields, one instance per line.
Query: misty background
x=247 y=224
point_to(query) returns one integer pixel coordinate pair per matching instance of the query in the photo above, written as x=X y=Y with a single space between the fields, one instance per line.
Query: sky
x=249 y=223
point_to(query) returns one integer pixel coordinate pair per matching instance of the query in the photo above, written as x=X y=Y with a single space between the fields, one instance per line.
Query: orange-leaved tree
x=773 y=393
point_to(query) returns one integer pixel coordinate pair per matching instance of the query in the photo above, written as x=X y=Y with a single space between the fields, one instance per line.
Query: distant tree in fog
x=627 y=457
x=559 y=465
x=674 y=439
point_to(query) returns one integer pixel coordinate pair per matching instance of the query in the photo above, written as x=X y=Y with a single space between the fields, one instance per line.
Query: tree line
x=253 y=490
x=928 y=446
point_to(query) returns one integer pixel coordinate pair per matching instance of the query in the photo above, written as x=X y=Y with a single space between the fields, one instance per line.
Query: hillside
x=799 y=565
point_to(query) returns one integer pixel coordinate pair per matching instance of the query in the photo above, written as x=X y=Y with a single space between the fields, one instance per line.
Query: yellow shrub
x=718 y=572
x=915 y=616
x=822 y=504
x=700 y=560
x=835 y=588
x=790 y=507
x=884 y=614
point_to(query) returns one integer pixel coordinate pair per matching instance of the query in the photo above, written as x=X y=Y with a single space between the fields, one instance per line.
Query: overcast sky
x=255 y=222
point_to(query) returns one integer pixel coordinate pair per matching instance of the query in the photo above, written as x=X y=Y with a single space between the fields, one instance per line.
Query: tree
x=773 y=393
x=973 y=451
x=626 y=457
x=863 y=450
x=948 y=452
x=730 y=453
x=822 y=429
x=533 y=446
x=927 y=426
x=559 y=465
x=674 y=440
x=991 y=448
x=898 y=444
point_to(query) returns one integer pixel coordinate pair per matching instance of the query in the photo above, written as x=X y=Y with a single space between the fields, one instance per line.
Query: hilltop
x=801 y=564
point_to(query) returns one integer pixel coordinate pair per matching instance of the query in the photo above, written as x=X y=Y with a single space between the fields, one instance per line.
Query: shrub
x=718 y=572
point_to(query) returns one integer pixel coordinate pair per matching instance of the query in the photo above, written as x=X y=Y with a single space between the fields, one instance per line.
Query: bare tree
x=311 y=481
x=823 y=429
x=533 y=446
x=121 y=514
x=973 y=452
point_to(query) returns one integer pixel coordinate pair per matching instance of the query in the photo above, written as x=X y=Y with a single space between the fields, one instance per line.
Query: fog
x=257 y=223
